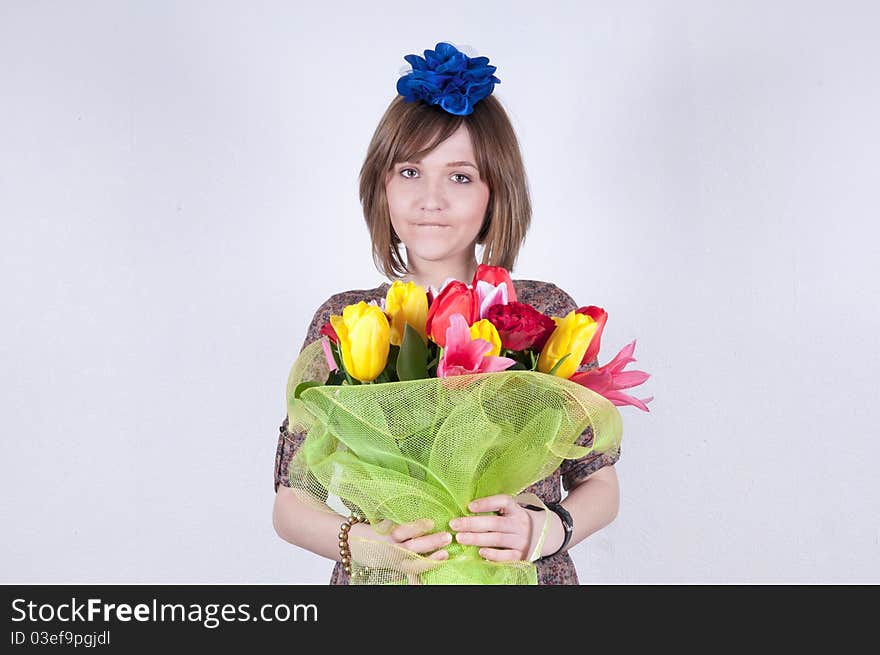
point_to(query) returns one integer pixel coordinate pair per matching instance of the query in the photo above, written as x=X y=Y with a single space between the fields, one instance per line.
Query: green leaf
x=558 y=364
x=413 y=357
x=337 y=357
x=389 y=373
x=393 y=352
x=433 y=349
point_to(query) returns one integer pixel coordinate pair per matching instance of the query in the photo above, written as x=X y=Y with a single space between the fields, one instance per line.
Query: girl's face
x=437 y=205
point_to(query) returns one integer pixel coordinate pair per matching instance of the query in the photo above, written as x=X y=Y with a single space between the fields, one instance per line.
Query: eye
x=465 y=179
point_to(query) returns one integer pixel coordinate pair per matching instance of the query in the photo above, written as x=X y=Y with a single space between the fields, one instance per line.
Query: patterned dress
x=546 y=298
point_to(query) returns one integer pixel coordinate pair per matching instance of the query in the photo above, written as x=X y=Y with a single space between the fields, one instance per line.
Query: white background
x=178 y=194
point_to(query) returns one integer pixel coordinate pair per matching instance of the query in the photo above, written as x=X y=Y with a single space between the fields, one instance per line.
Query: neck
x=433 y=274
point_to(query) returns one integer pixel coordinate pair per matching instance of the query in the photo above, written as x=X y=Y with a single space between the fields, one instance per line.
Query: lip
x=432 y=225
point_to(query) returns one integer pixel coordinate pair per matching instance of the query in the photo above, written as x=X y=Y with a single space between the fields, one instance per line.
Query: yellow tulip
x=483 y=329
x=406 y=302
x=572 y=335
x=363 y=332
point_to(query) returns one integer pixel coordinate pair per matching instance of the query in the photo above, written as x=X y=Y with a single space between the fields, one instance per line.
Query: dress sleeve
x=289 y=442
x=575 y=471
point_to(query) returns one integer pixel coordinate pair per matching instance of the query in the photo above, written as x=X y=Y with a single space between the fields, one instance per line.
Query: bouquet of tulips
x=413 y=409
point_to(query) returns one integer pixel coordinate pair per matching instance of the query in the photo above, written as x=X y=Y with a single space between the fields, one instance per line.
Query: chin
x=431 y=252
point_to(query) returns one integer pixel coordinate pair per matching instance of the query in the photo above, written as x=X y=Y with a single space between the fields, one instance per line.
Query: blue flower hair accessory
x=449 y=78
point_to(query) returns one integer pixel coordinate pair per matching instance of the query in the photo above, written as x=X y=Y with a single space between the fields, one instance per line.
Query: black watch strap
x=567 y=524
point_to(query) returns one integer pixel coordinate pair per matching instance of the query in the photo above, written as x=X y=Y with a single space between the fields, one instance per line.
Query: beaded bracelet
x=344 y=550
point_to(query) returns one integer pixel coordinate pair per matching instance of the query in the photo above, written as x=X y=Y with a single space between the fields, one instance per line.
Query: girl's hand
x=414 y=536
x=506 y=538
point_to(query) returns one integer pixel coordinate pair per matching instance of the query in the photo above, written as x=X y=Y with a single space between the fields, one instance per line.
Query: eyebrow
x=449 y=164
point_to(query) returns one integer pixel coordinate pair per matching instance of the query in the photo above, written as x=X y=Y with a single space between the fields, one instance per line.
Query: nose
x=433 y=198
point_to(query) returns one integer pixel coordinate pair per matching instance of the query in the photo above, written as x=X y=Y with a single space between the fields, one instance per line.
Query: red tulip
x=328 y=331
x=495 y=275
x=455 y=298
x=600 y=316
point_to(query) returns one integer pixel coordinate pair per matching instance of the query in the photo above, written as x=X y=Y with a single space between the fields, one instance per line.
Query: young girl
x=443 y=174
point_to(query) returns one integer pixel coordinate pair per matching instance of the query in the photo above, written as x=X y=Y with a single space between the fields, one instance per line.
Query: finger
x=502 y=503
x=439 y=554
x=412 y=529
x=483 y=524
x=495 y=555
x=495 y=539
x=384 y=526
x=428 y=543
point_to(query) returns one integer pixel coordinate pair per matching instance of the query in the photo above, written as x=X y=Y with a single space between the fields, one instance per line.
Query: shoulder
x=544 y=296
x=334 y=305
x=338 y=301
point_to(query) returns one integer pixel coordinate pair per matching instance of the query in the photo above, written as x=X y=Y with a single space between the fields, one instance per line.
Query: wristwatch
x=567 y=524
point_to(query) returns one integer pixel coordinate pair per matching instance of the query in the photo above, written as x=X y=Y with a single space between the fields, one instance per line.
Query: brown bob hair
x=409 y=130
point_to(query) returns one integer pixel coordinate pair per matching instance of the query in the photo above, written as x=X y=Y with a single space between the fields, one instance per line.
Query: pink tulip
x=464 y=355
x=608 y=380
x=329 y=355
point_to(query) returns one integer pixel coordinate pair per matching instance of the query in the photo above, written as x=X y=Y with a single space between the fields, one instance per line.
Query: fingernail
x=447 y=537
x=454 y=524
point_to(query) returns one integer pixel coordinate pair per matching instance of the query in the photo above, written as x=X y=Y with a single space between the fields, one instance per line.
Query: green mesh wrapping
x=402 y=451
